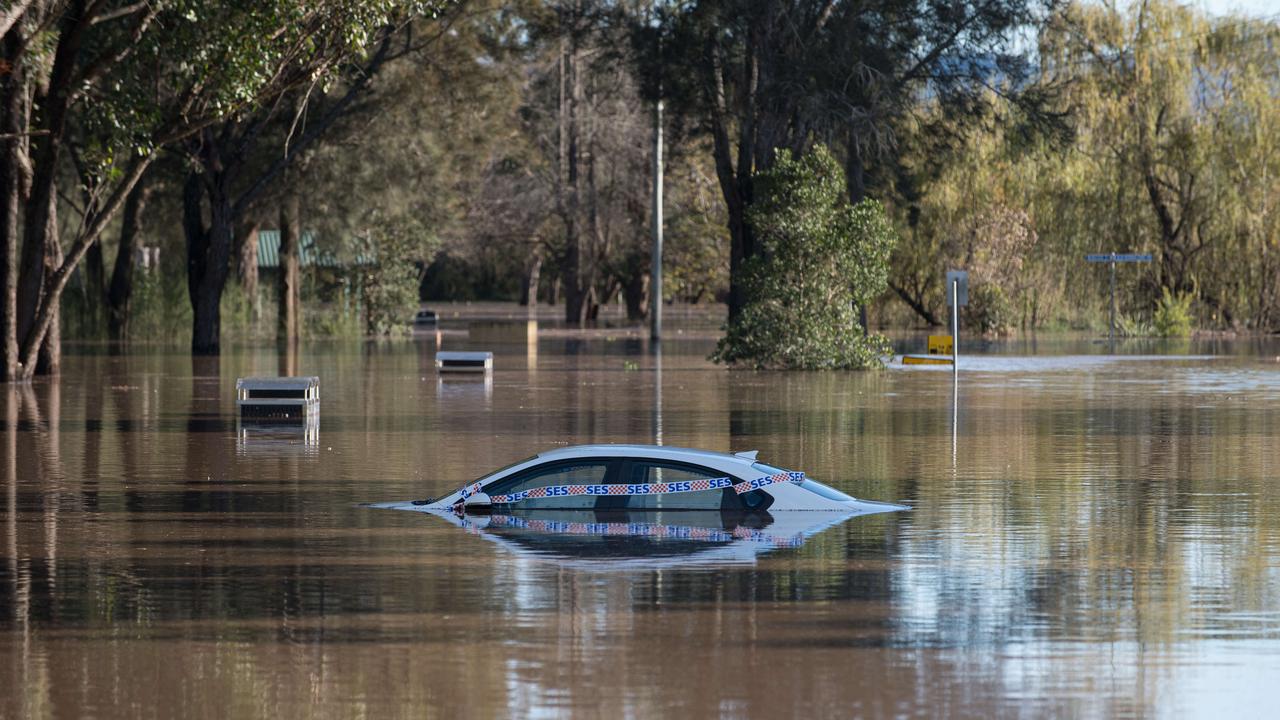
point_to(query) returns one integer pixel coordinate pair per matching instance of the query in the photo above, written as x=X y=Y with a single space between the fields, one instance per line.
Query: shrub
x=1173 y=315
x=817 y=258
x=1133 y=326
x=989 y=310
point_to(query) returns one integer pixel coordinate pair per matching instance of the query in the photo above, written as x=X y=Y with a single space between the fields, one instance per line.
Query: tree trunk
x=287 y=328
x=41 y=211
x=12 y=104
x=575 y=290
x=854 y=170
x=247 y=266
x=636 y=293
x=50 y=358
x=532 y=274
x=31 y=263
x=95 y=277
x=208 y=258
x=121 y=289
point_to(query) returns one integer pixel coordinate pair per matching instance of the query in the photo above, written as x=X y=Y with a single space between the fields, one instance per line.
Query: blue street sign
x=1117 y=257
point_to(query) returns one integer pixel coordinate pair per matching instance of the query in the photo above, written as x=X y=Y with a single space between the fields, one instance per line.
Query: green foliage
x=819 y=258
x=1176 y=151
x=1172 y=317
x=160 y=311
x=1134 y=326
x=387 y=280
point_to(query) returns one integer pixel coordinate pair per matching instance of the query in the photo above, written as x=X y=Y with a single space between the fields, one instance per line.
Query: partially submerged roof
x=653 y=451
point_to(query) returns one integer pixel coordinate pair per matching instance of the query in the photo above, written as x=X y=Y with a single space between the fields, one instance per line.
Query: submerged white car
x=650 y=478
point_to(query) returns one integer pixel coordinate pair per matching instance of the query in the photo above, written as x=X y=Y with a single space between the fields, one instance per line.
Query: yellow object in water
x=926 y=359
x=941 y=345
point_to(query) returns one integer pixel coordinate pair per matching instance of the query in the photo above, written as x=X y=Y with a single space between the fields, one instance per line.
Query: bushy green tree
x=820 y=258
x=1173 y=315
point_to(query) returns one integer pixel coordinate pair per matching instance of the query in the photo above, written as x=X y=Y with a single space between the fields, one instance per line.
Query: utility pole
x=655 y=274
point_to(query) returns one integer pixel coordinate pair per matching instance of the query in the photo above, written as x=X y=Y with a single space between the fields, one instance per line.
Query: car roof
x=662 y=452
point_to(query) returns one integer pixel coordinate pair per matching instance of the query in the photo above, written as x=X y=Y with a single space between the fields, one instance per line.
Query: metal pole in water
x=955 y=326
x=655 y=274
x=1111 y=337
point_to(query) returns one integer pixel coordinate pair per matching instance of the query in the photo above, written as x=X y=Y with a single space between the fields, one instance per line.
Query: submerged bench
x=278 y=398
x=453 y=361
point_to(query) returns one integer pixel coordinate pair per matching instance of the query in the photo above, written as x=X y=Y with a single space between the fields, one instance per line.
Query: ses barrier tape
x=669 y=488
x=649 y=530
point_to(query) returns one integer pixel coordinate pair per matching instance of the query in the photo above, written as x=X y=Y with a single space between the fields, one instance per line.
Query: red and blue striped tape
x=668 y=488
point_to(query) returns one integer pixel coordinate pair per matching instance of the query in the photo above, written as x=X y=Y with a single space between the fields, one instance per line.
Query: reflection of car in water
x=628 y=539
x=645 y=500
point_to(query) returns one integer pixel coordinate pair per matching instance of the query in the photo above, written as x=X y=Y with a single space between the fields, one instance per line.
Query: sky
x=1252 y=8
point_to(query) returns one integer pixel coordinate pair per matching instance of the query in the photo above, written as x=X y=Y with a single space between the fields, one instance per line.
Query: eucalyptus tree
x=759 y=76
x=235 y=161
x=137 y=77
x=820 y=258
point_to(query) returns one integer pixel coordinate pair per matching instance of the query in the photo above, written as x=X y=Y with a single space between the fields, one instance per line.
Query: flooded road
x=1088 y=535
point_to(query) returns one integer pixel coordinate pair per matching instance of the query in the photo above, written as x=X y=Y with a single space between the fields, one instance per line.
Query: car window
x=651 y=472
x=560 y=474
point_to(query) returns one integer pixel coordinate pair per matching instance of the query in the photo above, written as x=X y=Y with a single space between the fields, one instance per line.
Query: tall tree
x=134 y=77
x=763 y=76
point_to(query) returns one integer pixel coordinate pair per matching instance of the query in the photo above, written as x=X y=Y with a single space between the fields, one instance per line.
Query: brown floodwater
x=1088 y=535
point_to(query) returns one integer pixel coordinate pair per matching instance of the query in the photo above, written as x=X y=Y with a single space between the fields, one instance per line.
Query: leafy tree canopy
x=820 y=258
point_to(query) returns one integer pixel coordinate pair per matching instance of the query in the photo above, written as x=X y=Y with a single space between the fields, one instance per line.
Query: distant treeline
x=495 y=149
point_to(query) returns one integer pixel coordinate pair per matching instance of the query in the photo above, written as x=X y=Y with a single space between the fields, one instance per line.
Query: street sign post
x=957 y=285
x=1114 y=258
x=957 y=297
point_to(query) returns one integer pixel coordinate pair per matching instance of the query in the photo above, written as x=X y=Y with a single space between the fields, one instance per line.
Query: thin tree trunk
x=247 y=266
x=40 y=221
x=533 y=273
x=636 y=293
x=12 y=103
x=50 y=358
x=854 y=170
x=121 y=289
x=95 y=275
x=31 y=262
x=287 y=328
x=734 y=192
x=575 y=290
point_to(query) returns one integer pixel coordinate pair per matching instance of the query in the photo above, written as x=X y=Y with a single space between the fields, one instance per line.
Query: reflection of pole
x=955 y=415
x=655 y=274
x=955 y=326
x=657 y=394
